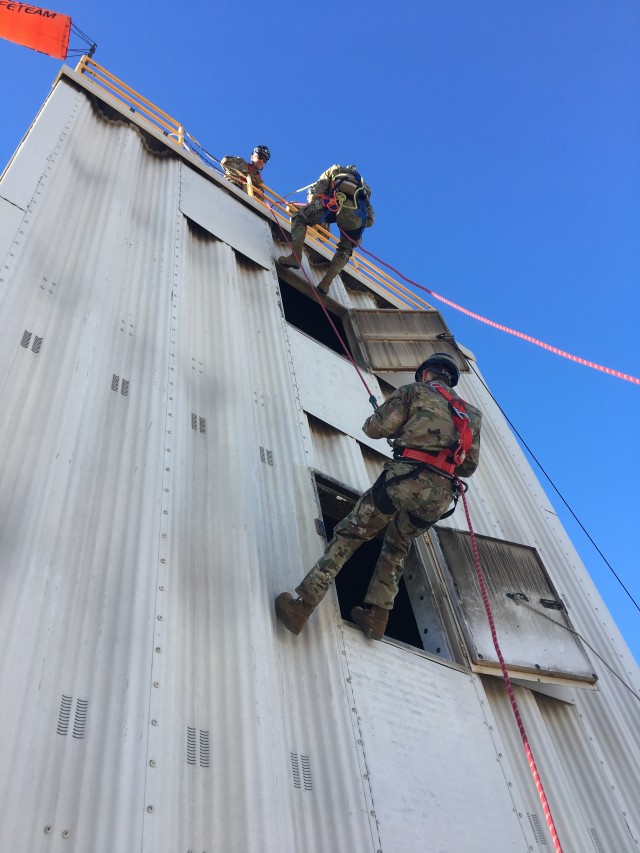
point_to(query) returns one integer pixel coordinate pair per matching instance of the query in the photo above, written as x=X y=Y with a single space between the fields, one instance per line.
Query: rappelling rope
x=608 y=370
x=507 y=679
x=476 y=556
x=372 y=398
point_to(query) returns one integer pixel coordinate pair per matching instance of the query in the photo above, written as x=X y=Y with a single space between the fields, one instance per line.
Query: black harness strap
x=383 y=502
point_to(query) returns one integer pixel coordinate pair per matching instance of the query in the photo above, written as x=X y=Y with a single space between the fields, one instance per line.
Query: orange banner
x=30 y=26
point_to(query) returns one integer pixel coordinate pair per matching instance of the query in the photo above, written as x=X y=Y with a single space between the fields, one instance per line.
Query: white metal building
x=178 y=431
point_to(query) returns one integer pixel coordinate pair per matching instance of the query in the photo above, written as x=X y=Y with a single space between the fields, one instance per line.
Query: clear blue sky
x=502 y=143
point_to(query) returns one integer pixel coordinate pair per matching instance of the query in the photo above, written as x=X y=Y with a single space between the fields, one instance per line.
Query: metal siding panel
x=339 y=456
x=46 y=138
x=10 y=219
x=225 y=217
x=320 y=372
x=434 y=771
x=579 y=795
x=224 y=665
x=92 y=278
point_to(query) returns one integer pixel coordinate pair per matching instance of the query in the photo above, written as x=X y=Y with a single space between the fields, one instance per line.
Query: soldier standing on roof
x=239 y=172
x=436 y=437
x=339 y=195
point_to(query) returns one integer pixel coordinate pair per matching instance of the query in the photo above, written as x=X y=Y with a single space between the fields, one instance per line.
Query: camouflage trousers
x=424 y=497
x=315 y=213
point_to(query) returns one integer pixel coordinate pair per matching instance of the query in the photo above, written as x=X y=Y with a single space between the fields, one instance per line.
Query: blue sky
x=501 y=140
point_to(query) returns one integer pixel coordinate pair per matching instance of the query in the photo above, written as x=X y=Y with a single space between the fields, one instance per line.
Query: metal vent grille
x=26 y=340
x=597 y=844
x=64 y=714
x=306 y=772
x=198 y=423
x=295 y=769
x=80 y=719
x=124 y=386
x=191 y=745
x=204 y=748
x=541 y=836
x=266 y=456
x=304 y=778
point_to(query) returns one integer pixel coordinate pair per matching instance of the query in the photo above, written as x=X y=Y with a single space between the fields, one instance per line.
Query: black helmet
x=262 y=151
x=440 y=362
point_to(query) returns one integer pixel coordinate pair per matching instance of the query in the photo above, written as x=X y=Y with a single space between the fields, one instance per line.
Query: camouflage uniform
x=415 y=416
x=347 y=219
x=236 y=169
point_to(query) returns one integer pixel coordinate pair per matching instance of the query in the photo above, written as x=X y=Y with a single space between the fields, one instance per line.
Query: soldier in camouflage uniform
x=237 y=170
x=408 y=497
x=341 y=196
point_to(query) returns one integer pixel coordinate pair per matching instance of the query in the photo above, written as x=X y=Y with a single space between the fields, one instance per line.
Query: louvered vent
x=304 y=778
x=541 y=836
x=64 y=714
x=26 y=340
x=295 y=769
x=597 y=844
x=80 y=719
x=306 y=772
x=191 y=745
x=124 y=386
x=266 y=456
x=198 y=423
x=204 y=748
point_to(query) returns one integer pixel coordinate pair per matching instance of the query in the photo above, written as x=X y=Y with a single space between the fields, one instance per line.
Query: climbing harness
x=447 y=460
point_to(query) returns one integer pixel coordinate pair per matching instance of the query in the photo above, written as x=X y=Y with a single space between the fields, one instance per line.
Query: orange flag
x=33 y=27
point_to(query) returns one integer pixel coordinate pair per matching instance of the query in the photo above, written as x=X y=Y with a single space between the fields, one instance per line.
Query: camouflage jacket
x=236 y=169
x=418 y=416
x=322 y=187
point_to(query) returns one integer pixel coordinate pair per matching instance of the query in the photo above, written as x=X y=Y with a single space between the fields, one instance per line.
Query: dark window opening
x=353 y=579
x=305 y=313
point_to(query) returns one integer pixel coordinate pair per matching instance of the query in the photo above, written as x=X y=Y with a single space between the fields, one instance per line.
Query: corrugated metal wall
x=158 y=494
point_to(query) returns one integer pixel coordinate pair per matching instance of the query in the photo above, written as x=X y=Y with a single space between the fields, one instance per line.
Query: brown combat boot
x=293 y=612
x=336 y=266
x=297 y=246
x=372 y=619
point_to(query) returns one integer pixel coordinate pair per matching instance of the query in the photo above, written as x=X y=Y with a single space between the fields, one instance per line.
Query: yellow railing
x=279 y=207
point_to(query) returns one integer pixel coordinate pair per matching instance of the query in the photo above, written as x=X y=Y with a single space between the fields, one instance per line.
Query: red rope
x=608 y=370
x=372 y=398
x=507 y=680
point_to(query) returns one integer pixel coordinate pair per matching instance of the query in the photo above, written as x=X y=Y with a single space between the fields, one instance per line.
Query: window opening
x=414 y=619
x=307 y=315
